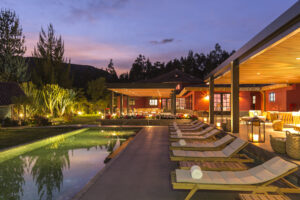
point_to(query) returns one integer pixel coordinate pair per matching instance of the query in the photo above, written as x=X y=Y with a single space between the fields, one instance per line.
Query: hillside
x=81 y=74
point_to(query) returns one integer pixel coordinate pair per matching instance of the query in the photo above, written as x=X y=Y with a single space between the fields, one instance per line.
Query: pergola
x=158 y=90
x=271 y=57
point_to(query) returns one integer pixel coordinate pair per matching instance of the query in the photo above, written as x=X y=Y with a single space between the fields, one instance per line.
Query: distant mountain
x=82 y=74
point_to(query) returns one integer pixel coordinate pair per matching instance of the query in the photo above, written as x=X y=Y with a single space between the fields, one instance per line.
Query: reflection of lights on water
x=102 y=131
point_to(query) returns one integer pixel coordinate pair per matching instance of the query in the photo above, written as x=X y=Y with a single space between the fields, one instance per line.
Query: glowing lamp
x=21 y=115
x=256 y=130
x=79 y=112
x=206 y=97
x=218 y=124
x=185 y=115
x=205 y=120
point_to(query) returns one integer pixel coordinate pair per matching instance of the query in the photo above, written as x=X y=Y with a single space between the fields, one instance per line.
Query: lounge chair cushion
x=217 y=143
x=206 y=130
x=207 y=135
x=259 y=174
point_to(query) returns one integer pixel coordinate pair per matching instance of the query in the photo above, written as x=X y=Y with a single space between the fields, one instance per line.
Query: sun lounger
x=258 y=179
x=209 y=135
x=197 y=127
x=214 y=145
x=187 y=124
x=198 y=133
x=229 y=153
x=213 y=165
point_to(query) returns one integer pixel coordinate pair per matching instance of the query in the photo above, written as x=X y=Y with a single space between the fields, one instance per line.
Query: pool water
x=60 y=169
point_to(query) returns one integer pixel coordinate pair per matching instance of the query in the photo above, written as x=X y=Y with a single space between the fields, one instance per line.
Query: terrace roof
x=271 y=57
x=162 y=90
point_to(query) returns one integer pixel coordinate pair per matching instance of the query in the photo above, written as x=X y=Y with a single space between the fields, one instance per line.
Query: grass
x=10 y=137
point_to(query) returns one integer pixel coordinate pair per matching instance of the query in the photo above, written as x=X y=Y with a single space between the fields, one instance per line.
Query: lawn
x=15 y=136
x=87 y=119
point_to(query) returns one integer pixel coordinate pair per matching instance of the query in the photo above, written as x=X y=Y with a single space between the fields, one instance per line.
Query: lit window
x=272 y=97
x=253 y=99
x=178 y=87
x=131 y=101
x=153 y=102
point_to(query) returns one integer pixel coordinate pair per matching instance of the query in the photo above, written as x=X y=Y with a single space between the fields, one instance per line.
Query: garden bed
x=142 y=122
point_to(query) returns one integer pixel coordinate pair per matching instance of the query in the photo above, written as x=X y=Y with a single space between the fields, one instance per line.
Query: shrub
x=68 y=117
x=40 y=121
x=7 y=122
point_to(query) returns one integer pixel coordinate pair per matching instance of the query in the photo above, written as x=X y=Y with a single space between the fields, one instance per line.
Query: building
x=7 y=92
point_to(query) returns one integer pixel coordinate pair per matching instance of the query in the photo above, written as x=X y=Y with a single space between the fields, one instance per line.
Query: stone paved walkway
x=142 y=172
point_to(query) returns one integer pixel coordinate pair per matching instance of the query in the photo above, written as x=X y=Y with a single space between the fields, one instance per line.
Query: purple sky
x=96 y=30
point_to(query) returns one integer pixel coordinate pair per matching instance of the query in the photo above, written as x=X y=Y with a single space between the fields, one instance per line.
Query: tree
x=51 y=67
x=96 y=89
x=138 y=69
x=111 y=70
x=12 y=48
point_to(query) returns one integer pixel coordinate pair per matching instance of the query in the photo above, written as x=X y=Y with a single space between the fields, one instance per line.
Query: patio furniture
x=277 y=125
x=278 y=144
x=207 y=136
x=258 y=179
x=194 y=128
x=228 y=154
x=293 y=145
x=215 y=145
x=214 y=166
x=202 y=132
x=263 y=197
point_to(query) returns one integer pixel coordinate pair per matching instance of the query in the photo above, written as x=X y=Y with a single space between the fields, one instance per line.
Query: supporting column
x=235 y=110
x=112 y=103
x=263 y=107
x=128 y=109
x=173 y=102
x=121 y=104
x=211 y=100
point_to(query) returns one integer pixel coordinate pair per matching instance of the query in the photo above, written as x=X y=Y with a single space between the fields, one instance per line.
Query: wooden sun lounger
x=209 y=146
x=258 y=179
x=198 y=133
x=207 y=136
x=228 y=154
x=214 y=166
x=187 y=124
x=198 y=127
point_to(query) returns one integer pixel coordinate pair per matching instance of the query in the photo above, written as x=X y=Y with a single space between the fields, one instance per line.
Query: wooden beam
x=211 y=100
x=235 y=111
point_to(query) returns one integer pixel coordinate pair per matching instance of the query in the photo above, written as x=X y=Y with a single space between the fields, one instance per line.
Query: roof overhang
x=161 y=90
x=271 y=57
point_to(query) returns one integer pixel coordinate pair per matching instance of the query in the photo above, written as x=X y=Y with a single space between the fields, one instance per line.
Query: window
x=253 y=99
x=189 y=102
x=226 y=102
x=153 y=102
x=131 y=101
x=222 y=102
x=272 y=97
x=180 y=103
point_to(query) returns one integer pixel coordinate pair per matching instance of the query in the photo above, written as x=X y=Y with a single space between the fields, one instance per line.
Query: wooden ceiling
x=144 y=92
x=278 y=63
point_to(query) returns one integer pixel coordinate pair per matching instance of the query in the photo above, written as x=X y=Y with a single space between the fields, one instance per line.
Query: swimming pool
x=57 y=167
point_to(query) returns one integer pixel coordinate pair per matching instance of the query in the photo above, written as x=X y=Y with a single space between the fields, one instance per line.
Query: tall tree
x=111 y=70
x=138 y=69
x=12 y=48
x=51 y=67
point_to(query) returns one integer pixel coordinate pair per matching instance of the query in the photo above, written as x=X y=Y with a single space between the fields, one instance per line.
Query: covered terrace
x=271 y=57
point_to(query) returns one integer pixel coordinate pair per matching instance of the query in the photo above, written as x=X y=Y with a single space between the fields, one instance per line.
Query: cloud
x=164 y=41
x=92 y=9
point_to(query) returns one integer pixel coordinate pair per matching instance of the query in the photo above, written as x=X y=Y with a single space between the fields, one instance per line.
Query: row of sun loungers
x=207 y=145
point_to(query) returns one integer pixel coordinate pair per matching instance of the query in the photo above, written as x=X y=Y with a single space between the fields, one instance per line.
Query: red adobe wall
x=280 y=103
x=140 y=102
x=202 y=104
x=293 y=98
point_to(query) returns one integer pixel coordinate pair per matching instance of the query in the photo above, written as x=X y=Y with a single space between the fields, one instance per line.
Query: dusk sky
x=96 y=30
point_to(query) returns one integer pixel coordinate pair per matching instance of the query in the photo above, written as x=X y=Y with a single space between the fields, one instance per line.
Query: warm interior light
x=255 y=137
x=205 y=119
x=206 y=97
x=298 y=58
x=218 y=124
x=258 y=73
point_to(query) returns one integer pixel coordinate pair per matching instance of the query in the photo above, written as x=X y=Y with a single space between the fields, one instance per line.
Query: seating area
x=202 y=164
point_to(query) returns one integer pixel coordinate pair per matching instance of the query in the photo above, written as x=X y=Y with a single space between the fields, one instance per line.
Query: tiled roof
x=9 y=90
